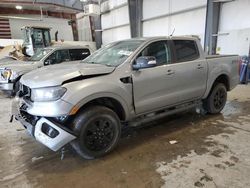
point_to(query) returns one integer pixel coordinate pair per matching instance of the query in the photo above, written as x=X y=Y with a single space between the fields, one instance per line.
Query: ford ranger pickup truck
x=125 y=83
x=12 y=70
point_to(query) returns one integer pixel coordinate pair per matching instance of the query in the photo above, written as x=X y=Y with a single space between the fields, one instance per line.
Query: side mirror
x=144 y=62
x=48 y=62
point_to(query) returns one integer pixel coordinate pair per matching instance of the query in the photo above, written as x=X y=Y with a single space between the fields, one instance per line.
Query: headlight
x=6 y=74
x=47 y=94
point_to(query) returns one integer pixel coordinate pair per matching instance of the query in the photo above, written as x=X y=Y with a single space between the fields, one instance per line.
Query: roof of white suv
x=57 y=47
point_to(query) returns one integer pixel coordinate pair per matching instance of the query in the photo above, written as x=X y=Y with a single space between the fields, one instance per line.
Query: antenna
x=172 y=32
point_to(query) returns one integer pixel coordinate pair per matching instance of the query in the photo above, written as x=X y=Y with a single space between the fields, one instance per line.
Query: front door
x=153 y=86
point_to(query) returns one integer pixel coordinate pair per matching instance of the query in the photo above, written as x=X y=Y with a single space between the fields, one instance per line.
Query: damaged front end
x=46 y=130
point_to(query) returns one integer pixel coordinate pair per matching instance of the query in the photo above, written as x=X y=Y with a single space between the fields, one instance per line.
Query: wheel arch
x=221 y=78
x=114 y=103
x=224 y=79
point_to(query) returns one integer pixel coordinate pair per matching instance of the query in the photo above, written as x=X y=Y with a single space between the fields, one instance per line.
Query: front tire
x=217 y=99
x=98 y=130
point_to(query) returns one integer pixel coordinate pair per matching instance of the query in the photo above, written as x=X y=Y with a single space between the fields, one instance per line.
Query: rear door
x=190 y=71
x=78 y=54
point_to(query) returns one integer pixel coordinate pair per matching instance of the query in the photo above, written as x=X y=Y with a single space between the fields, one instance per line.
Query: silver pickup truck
x=11 y=69
x=129 y=82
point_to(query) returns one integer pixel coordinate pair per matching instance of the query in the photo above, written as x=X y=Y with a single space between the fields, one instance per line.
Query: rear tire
x=98 y=130
x=217 y=99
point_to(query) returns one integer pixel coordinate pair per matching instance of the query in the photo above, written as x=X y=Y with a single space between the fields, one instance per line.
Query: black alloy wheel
x=98 y=129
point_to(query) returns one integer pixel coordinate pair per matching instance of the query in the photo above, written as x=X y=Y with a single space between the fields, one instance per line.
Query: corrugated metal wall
x=235 y=28
x=115 y=21
x=160 y=18
x=5 y=29
x=84 y=29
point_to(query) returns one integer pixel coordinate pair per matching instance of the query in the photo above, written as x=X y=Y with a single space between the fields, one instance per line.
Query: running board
x=162 y=113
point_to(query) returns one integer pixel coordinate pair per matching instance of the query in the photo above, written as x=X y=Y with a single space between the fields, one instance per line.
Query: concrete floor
x=211 y=151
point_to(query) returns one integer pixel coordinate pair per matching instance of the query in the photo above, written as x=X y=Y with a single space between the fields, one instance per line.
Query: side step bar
x=162 y=113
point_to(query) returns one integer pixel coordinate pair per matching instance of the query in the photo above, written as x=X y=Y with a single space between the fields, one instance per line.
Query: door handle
x=199 y=66
x=170 y=72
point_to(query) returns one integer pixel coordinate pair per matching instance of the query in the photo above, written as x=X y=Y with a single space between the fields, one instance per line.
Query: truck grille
x=24 y=91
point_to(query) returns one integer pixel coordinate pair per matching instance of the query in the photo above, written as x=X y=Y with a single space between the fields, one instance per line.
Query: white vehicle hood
x=7 y=59
x=18 y=66
x=57 y=74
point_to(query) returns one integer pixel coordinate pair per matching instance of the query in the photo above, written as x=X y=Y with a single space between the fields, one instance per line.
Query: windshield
x=114 y=54
x=40 y=53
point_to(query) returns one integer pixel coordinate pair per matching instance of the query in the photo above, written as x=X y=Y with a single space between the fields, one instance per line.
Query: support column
x=98 y=31
x=212 y=26
x=135 y=17
x=209 y=28
x=216 y=23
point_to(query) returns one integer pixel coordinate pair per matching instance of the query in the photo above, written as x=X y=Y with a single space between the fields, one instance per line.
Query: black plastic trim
x=81 y=77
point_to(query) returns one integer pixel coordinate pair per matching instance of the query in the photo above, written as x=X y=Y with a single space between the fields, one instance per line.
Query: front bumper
x=43 y=130
x=6 y=86
x=49 y=109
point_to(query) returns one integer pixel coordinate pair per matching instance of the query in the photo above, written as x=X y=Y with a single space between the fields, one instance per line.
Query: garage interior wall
x=57 y=24
x=161 y=18
x=115 y=21
x=234 y=28
x=84 y=28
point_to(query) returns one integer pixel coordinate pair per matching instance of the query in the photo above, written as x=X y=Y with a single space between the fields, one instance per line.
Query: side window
x=63 y=55
x=58 y=56
x=186 y=50
x=51 y=59
x=160 y=50
x=78 y=54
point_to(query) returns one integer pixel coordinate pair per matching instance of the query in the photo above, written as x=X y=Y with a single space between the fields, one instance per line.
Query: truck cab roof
x=184 y=37
x=63 y=46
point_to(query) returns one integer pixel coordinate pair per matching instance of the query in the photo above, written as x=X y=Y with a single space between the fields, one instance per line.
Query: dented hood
x=57 y=74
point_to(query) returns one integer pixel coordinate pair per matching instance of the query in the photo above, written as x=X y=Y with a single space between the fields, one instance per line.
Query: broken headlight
x=6 y=74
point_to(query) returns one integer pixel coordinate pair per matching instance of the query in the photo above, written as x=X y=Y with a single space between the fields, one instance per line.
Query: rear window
x=78 y=54
x=186 y=50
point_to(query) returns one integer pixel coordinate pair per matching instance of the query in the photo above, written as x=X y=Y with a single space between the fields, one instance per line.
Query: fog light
x=49 y=131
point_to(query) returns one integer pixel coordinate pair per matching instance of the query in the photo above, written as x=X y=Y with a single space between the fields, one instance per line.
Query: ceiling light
x=84 y=1
x=18 y=7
